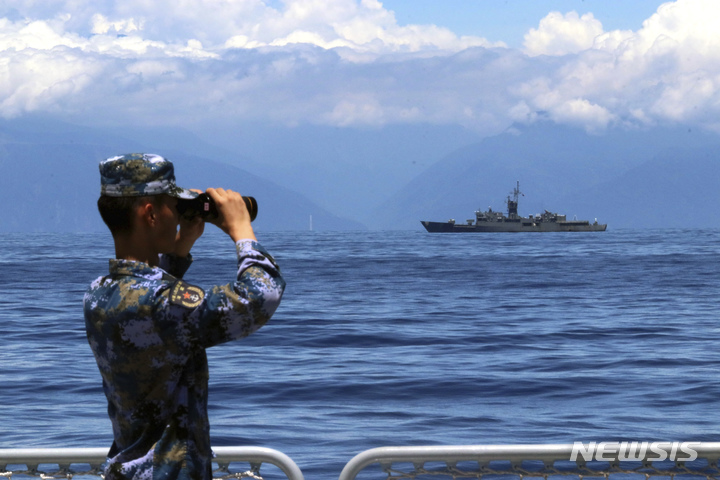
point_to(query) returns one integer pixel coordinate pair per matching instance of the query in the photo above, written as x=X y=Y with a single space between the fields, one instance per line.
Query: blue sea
x=401 y=338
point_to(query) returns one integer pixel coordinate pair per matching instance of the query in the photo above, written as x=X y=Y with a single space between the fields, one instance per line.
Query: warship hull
x=450 y=227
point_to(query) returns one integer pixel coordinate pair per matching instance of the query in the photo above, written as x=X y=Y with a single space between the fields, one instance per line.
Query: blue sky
x=509 y=20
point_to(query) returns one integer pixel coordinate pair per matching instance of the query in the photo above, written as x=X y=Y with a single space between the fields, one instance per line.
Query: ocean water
x=401 y=338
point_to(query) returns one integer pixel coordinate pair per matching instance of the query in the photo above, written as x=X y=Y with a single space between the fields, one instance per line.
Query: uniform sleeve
x=237 y=309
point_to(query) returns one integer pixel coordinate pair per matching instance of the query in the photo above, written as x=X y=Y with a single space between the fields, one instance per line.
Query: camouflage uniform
x=148 y=330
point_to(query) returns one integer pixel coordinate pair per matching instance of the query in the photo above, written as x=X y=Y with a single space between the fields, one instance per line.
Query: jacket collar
x=133 y=268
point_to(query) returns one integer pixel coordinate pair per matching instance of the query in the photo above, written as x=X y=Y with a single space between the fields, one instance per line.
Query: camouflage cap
x=139 y=174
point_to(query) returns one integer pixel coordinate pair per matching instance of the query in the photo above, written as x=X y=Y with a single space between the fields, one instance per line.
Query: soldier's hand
x=233 y=217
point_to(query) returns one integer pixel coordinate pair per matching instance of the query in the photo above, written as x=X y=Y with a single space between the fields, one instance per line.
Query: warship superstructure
x=491 y=221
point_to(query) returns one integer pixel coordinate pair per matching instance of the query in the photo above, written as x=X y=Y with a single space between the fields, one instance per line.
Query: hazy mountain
x=654 y=178
x=679 y=187
x=50 y=180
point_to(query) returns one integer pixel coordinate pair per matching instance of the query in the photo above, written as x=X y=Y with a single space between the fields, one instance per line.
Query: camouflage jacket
x=148 y=330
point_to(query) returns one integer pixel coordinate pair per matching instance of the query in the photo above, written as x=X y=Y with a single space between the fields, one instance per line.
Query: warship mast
x=512 y=205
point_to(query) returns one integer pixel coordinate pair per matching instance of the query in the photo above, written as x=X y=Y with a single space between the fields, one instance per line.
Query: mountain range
x=388 y=178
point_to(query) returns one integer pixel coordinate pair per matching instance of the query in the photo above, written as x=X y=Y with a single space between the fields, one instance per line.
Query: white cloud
x=348 y=63
x=687 y=96
x=43 y=80
x=690 y=24
x=363 y=24
x=100 y=25
x=665 y=72
x=560 y=34
x=581 y=112
x=35 y=34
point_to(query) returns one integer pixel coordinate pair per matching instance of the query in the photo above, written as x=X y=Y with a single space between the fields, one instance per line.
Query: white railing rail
x=71 y=461
x=647 y=459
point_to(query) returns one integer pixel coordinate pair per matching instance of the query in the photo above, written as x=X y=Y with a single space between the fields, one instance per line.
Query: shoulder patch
x=186 y=295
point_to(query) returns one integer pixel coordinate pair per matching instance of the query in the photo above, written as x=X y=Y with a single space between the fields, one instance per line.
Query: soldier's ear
x=147 y=212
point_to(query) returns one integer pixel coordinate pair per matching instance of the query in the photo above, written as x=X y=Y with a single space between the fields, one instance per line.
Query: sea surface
x=401 y=338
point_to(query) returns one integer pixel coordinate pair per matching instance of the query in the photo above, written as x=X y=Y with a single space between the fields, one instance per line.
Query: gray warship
x=490 y=221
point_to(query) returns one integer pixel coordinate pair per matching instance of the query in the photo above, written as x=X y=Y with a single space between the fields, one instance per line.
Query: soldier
x=149 y=329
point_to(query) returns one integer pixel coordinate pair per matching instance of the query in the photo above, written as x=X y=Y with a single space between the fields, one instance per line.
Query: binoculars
x=204 y=206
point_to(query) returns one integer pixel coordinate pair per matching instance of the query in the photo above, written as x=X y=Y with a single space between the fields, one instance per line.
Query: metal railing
x=641 y=459
x=72 y=461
